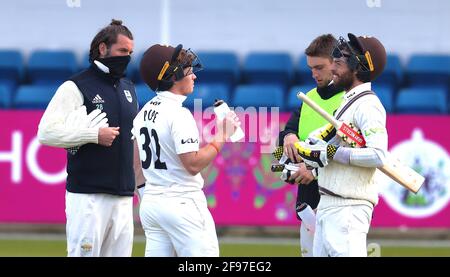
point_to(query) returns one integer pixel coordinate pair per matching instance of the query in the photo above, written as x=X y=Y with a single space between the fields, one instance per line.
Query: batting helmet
x=162 y=65
x=364 y=54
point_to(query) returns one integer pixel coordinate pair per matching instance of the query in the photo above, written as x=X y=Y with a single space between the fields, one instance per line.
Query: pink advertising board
x=239 y=186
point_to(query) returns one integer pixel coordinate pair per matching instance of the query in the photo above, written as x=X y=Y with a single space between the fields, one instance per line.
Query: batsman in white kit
x=347 y=179
x=173 y=209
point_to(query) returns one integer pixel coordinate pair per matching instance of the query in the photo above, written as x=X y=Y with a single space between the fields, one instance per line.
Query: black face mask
x=117 y=65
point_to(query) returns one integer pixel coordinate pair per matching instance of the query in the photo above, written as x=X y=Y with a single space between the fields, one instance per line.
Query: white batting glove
x=97 y=119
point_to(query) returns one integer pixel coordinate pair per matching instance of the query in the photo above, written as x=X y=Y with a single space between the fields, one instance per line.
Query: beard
x=345 y=80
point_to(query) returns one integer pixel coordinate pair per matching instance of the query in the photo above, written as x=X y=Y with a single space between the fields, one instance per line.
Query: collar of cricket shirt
x=357 y=90
x=179 y=99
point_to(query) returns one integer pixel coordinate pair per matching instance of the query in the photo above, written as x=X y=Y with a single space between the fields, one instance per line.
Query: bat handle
x=277 y=167
x=317 y=108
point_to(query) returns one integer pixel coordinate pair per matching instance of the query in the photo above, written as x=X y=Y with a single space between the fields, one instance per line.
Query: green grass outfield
x=56 y=248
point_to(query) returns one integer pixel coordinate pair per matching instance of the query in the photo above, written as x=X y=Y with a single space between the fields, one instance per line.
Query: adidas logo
x=97 y=99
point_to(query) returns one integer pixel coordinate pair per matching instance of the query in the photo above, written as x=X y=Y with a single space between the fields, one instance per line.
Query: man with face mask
x=91 y=116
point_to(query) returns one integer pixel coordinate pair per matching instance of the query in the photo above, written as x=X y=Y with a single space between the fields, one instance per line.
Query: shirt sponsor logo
x=189 y=140
x=97 y=100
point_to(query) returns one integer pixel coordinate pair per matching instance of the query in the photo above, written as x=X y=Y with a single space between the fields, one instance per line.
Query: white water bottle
x=221 y=109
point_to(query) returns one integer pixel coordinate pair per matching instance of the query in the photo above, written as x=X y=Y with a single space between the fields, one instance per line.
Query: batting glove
x=97 y=119
x=316 y=155
x=325 y=133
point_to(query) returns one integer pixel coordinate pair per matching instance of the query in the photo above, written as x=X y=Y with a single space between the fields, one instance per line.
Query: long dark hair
x=108 y=35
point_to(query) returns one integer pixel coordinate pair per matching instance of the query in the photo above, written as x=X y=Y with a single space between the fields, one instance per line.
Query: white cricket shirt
x=164 y=129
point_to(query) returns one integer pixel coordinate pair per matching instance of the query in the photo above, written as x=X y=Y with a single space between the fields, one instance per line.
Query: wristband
x=215 y=147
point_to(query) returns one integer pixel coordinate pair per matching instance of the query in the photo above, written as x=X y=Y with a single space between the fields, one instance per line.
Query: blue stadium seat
x=47 y=67
x=393 y=72
x=144 y=94
x=258 y=96
x=293 y=103
x=421 y=100
x=34 y=97
x=208 y=93
x=429 y=71
x=386 y=95
x=219 y=68
x=304 y=74
x=85 y=61
x=5 y=96
x=133 y=68
x=268 y=68
x=11 y=68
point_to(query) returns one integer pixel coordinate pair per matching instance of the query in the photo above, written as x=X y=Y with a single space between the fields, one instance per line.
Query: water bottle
x=221 y=109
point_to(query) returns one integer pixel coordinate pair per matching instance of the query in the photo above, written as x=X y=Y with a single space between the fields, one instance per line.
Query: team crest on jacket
x=128 y=95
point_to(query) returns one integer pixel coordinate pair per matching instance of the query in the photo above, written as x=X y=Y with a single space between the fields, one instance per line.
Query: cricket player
x=347 y=182
x=91 y=116
x=301 y=123
x=173 y=211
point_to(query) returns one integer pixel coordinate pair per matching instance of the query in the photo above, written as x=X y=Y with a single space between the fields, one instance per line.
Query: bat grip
x=277 y=167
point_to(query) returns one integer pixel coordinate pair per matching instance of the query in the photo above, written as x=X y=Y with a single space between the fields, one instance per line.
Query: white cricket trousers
x=178 y=226
x=342 y=231
x=306 y=241
x=99 y=225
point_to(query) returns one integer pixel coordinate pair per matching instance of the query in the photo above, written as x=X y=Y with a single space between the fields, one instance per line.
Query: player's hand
x=303 y=175
x=228 y=125
x=106 y=136
x=289 y=148
x=316 y=155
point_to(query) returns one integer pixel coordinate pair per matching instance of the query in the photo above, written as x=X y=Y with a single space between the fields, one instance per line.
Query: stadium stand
x=47 y=67
x=220 y=68
x=258 y=96
x=428 y=71
x=5 y=96
x=422 y=100
x=293 y=102
x=144 y=94
x=208 y=93
x=34 y=96
x=386 y=95
x=268 y=68
x=11 y=68
x=263 y=81
x=392 y=75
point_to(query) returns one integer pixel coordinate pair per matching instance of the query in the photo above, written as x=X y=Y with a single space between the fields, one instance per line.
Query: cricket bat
x=392 y=167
